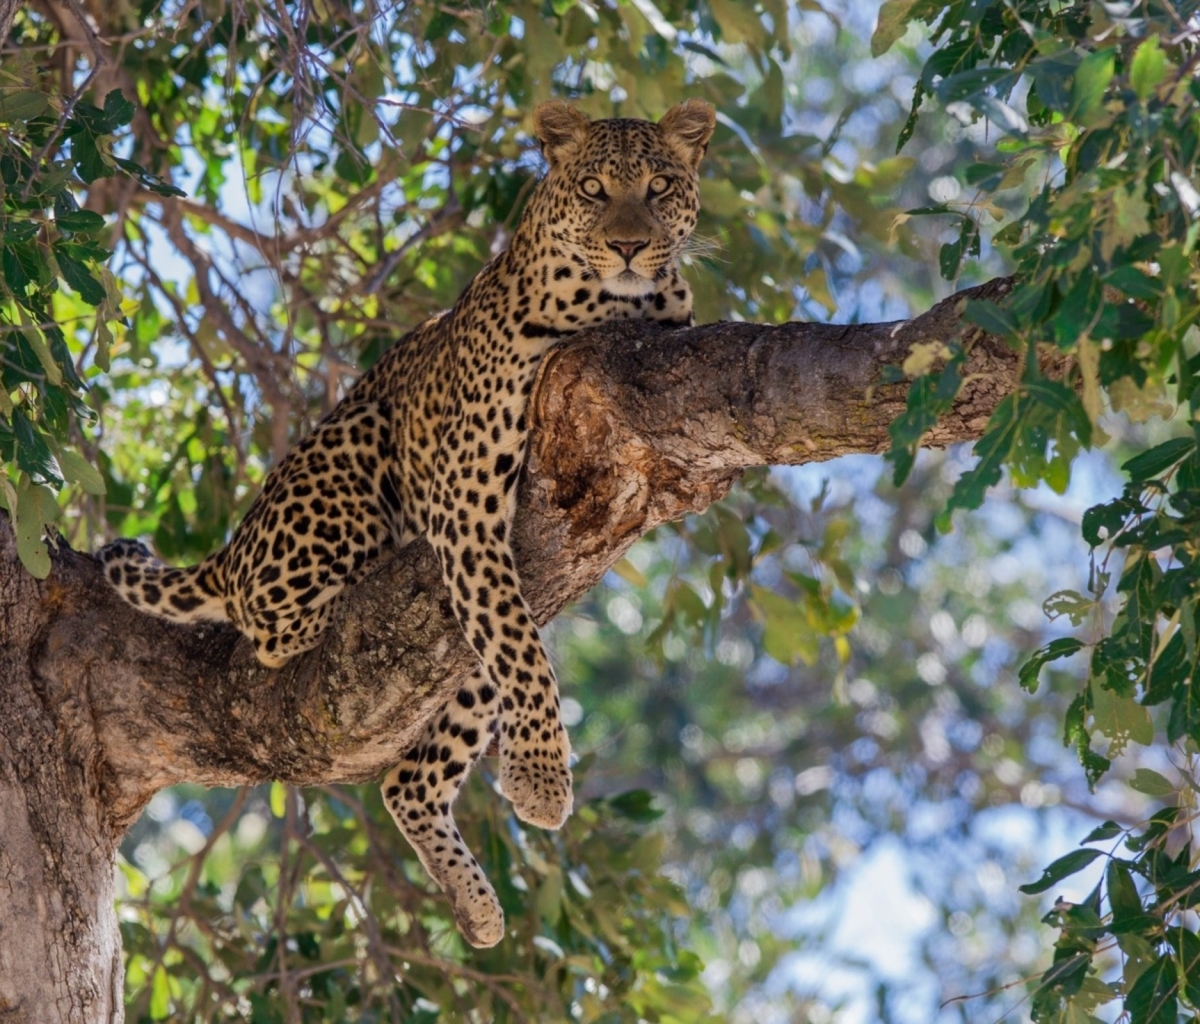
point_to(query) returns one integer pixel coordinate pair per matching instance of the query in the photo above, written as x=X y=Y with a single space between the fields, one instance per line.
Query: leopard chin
x=629 y=284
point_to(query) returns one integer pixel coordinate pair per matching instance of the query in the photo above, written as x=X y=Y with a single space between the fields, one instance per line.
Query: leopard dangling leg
x=420 y=792
x=535 y=750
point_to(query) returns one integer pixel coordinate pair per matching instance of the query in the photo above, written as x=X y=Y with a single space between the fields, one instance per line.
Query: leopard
x=430 y=442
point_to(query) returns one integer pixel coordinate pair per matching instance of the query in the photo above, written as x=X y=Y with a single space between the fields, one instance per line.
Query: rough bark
x=8 y=11
x=60 y=951
x=101 y=706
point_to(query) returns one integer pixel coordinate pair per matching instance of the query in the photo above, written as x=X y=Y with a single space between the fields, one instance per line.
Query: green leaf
x=1129 y=221
x=549 y=897
x=352 y=166
x=278 y=799
x=1063 y=647
x=1147 y=68
x=1074 y=605
x=952 y=254
x=1187 y=948
x=266 y=1010
x=1161 y=822
x=442 y=23
x=79 y=220
x=1121 y=719
x=1076 y=1014
x=1158 y=459
x=986 y=176
x=788 y=635
x=1109 y=830
x=89 y=161
x=76 y=273
x=689 y=604
x=636 y=805
x=22 y=105
x=894 y=16
x=920 y=91
x=1064 y=867
x=1134 y=283
x=118 y=111
x=992 y=318
x=1052 y=79
x=153 y=182
x=35 y=508
x=104 y=343
x=1123 y=896
x=15 y=274
x=1091 y=82
x=1147 y=781
x=160 y=995
x=629 y=572
x=974 y=84
x=1152 y=999
x=1110 y=517
x=33 y=454
x=929 y=397
x=78 y=470
x=54 y=372
x=993 y=448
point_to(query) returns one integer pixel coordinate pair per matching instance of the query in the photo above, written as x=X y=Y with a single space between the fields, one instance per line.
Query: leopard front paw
x=477 y=912
x=538 y=784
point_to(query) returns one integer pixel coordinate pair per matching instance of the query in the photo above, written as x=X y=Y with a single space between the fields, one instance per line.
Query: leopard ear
x=561 y=129
x=687 y=127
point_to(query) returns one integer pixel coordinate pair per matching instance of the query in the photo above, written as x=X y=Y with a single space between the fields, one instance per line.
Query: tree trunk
x=8 y=11
x=101 y=706
x=60 y=951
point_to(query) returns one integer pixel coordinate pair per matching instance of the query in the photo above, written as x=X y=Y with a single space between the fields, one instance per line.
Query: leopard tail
x=190 y=594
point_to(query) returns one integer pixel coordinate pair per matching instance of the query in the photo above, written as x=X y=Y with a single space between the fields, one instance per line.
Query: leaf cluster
x=1140 y=908
x=1106 y=276
x=47 y=241
x=304 y=908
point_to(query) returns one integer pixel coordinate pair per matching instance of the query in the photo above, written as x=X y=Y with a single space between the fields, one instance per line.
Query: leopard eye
x=659 y=185
x=592 y=188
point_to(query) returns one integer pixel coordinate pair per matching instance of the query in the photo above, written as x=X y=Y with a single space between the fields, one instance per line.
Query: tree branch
x=633 y=427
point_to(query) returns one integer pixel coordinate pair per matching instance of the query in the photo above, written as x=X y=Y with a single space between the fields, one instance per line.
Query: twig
x=98 y=61
x=444 y=220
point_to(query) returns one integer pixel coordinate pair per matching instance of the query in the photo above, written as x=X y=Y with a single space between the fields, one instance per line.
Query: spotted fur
x=431 y=442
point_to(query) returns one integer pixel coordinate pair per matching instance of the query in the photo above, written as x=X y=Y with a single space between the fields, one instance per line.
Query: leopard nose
x=628 y=250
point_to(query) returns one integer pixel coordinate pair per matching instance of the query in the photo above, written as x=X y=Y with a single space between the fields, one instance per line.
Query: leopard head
x=622 y=193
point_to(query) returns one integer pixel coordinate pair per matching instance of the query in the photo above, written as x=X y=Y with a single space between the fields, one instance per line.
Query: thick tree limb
x=101 y=706
x=634 y=427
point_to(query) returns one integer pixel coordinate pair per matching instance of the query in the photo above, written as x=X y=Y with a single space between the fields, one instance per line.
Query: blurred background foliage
x=810 y=781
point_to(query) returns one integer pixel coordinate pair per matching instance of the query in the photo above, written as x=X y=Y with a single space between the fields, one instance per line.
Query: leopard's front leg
x=535 y=752
x=471 y=541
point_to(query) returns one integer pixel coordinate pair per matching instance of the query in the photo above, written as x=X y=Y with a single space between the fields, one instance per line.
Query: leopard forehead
x=624 y=149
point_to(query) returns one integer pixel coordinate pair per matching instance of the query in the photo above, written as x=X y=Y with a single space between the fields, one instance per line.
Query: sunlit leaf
x=1150 y=782
x=893 y=20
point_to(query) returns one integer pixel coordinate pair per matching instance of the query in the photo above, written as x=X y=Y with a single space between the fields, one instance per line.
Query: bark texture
x=8 y=11
x=101 y=706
